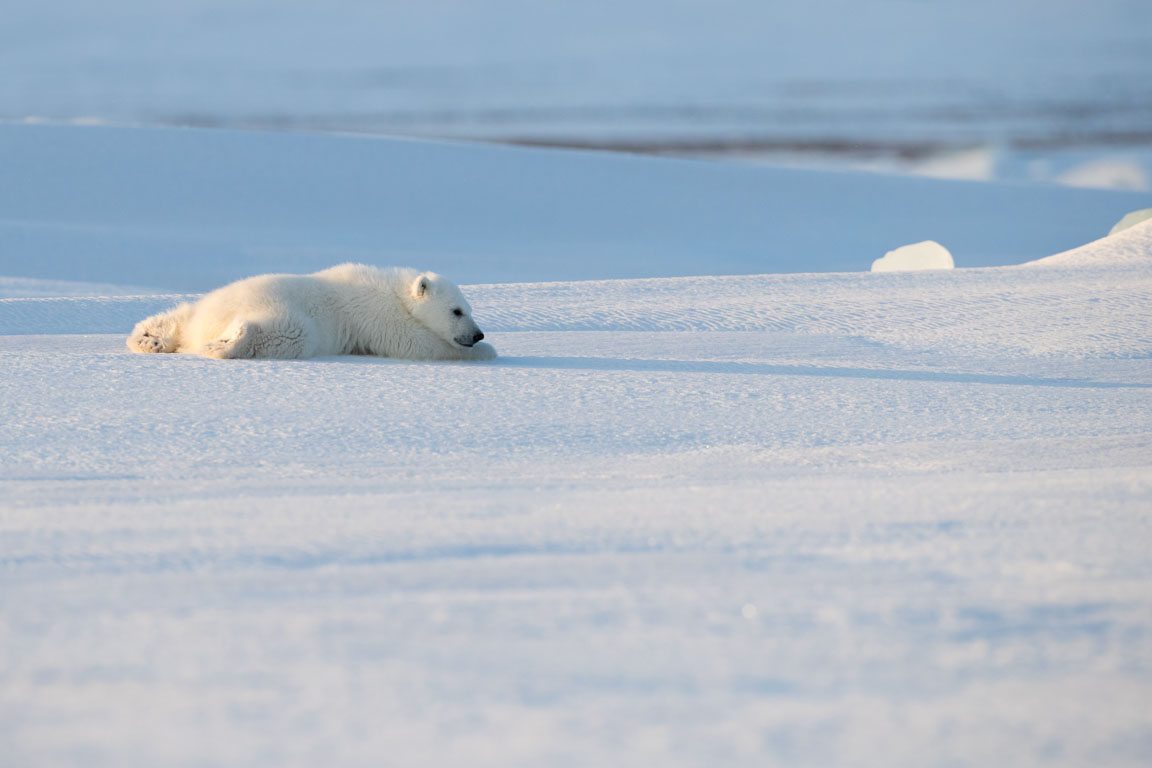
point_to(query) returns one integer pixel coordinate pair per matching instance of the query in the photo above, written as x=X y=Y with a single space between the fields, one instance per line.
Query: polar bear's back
x=390 y=278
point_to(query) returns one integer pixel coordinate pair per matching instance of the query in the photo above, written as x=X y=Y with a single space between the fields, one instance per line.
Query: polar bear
x=350 y=309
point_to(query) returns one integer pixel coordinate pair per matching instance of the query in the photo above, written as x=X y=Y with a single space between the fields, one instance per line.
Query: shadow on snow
x=767 y=369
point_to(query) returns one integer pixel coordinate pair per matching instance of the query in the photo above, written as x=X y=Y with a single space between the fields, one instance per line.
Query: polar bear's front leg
x=159 y=333
x=481 y=350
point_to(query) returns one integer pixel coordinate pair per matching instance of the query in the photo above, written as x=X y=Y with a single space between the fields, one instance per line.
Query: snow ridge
x=1132 y=246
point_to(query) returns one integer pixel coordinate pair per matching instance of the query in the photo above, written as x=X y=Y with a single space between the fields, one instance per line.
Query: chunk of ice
x=917 y=256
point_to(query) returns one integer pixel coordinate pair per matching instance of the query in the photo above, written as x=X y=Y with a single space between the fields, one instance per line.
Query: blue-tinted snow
x=188 y=210
x=723 y=520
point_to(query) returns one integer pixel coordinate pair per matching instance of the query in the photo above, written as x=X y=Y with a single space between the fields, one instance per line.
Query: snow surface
x=1030 y=91
x=836 y=519
x=189 y=210
x=1128 y=247
x=1029 y=76
x=1107 y=173
x=1131 y=219
x=1093 y=167
x=11 y=287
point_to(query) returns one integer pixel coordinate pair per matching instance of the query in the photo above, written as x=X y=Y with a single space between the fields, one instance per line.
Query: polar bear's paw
x=234 y=343
x=482 y=350
x=218 y=349
x=146 y=342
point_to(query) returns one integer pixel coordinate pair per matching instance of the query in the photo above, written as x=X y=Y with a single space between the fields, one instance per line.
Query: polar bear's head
x=438 y=304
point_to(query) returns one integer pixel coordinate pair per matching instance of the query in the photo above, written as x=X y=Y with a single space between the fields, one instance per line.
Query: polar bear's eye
x=457 y=312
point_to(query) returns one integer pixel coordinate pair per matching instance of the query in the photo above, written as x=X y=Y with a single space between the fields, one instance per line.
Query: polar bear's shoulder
x=364 y=274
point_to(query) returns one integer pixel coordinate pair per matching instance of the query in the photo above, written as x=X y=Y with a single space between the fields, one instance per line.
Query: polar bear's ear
x=420 y=287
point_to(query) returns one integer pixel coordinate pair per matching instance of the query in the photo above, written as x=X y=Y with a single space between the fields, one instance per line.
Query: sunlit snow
x=732 y=512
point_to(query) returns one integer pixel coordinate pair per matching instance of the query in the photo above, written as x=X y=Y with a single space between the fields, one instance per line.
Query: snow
x=11 y=287
x=1131 y=219
x=1128 y=247
x=915 y=257
x=1035 y=73
x=1109 y=173
x=189 y=210
x=691 y=518
x=962 y=90
x=1119 y=166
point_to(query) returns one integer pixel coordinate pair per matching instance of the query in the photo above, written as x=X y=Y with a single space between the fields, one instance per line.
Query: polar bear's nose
x=479 y=335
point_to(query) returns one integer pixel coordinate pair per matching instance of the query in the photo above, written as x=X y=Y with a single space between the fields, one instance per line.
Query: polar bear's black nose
x=477 y=337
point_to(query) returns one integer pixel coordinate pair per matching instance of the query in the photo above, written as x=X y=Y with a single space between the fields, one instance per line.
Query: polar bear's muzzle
x=466 y=340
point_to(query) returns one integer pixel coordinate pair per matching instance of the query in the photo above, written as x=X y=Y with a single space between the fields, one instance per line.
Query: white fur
x=350 y=309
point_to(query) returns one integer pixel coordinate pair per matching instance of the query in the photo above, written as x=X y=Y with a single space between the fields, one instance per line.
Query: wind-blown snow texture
x=878 y=519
